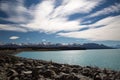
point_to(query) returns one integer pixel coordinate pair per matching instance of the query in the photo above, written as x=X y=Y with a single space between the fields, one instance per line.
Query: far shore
x=17 y=50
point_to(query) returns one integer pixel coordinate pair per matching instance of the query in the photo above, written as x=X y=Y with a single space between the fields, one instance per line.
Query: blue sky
x=64 y=21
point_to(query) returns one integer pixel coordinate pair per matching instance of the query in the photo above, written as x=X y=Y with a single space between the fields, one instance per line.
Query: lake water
x=106 y=58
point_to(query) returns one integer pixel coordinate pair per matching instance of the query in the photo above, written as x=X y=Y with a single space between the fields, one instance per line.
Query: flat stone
x=27 y=72
x=19 y=64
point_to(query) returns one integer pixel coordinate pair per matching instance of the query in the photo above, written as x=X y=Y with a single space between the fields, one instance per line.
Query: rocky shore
x=17 y=68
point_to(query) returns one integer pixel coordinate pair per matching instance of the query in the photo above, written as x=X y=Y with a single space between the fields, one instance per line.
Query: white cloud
x=111 y=9
x=10 y=27
x=14 y=37
x=80 y=6
x=106 y=21
x=110 y=31
x=50 y=20
x=47 y=18
x=15 y=10
x=69 y=7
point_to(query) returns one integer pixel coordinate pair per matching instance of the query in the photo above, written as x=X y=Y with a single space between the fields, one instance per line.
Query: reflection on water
x=103 y=58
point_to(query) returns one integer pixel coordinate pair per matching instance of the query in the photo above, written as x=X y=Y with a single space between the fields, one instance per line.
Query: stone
x=86 y=72
x=62 y=76
x=19 y=64
x=75 y=70
x=27 y=72
x=65 y=69
x=11 y=72
x=72 y=77
x=49 y=73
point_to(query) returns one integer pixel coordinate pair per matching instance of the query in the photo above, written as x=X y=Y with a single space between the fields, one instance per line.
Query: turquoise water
x=107 y=58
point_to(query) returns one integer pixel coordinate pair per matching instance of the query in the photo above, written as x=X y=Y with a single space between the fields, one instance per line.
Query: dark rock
x=11 y=72
x=64 y=76
x=65 y=69
x=49 y=73
x=86 y=72
x=57 y=71
x=11 y=78
x=72 y=77
x=97 y=76
x=56 y=65
x=75 y=70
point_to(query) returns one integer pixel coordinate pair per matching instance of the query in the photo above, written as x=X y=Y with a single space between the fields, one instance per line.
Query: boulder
x=49 y=74
x=11 y=72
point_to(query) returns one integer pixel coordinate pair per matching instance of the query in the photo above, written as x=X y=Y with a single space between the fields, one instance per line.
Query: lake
x=104 y=58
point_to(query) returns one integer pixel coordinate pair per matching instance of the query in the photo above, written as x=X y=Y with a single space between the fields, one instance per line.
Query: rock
x=56 y=65
x=27 y=72
x=72 y=77
x=66 y=69
x=2 y=60
x=28 y=67
x=19 y=64
x=86 y=72
x=36 y=72
x=57 y=71
x=11 y=72
x=16 y=78
x=64 y=76
x=49 y=74
x=97 y=76
x=39 y=67
x=75 y=66
x=13 y=78
x=75 y=70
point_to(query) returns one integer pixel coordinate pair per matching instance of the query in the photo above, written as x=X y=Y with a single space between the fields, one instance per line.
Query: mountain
x=59 y=46
x=117 y=46
x=95 y=46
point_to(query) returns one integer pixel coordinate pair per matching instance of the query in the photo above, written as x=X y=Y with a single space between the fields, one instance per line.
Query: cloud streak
x=53 y=19
x=110 y=31
x=48 y=18
x=9 y=27
x=14 y=37
x=111 y=9
x=16 y=11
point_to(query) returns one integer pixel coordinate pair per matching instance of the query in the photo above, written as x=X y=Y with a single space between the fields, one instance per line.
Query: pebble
x=17 y=68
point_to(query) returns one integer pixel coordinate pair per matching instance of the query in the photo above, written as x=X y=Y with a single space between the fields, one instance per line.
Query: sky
x=60 y=21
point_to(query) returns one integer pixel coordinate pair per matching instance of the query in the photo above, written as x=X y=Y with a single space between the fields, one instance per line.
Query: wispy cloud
x=69 y=7
x=9 y=27
x=110 y=31
x=106 y=21
x=47 y=18
x=16 y=11
x=14 y=37
x=111 y=9
x=50 y=19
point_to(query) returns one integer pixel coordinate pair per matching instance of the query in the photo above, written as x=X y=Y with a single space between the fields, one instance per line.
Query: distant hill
x=56 y=46
x=117 y=46
x=95 y=46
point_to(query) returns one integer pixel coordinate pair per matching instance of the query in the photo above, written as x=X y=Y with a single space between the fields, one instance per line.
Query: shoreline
x=18 y=68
